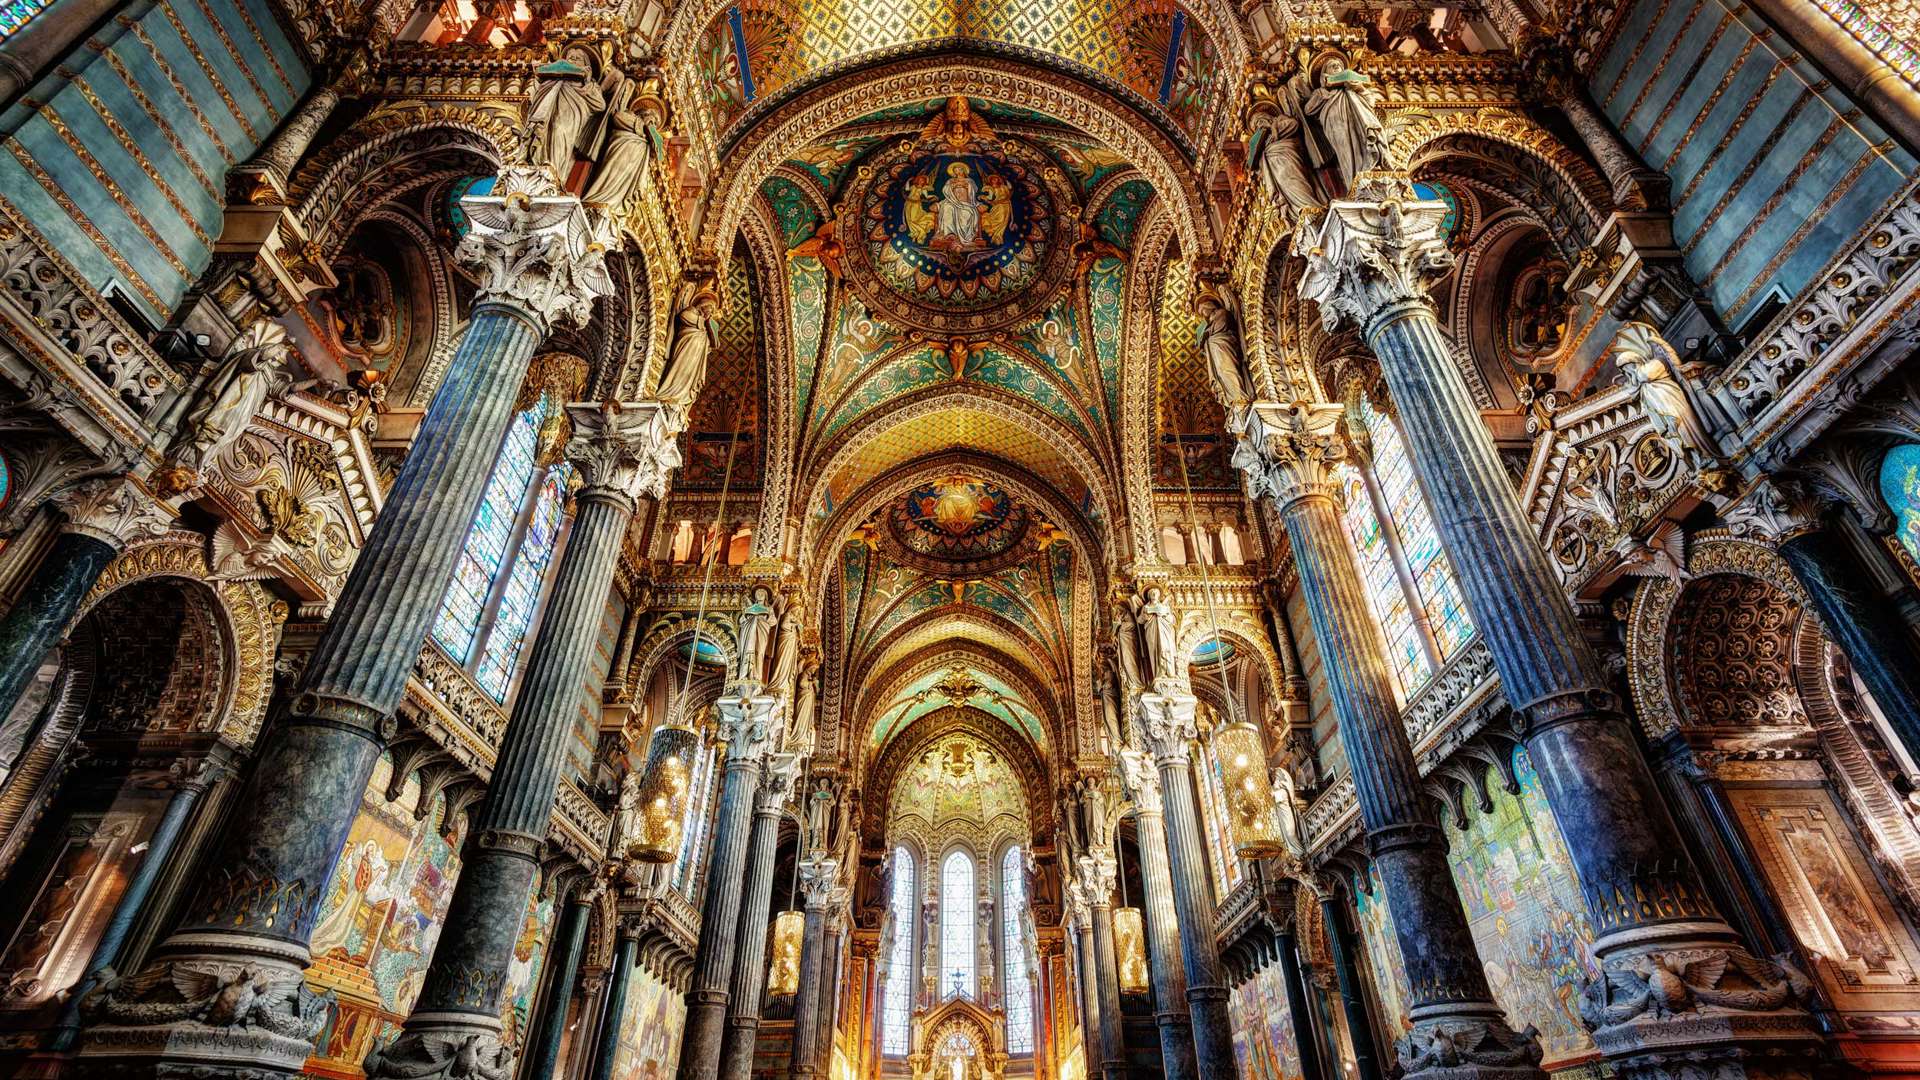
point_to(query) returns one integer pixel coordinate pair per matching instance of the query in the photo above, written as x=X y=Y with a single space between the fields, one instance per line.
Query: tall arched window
x=489 y=605
x=1409 y=581
x=1222 y=856
x=897 y=1006
x=701 y=797
x=1013 y=953
x=956 y=926
x=1900 y=487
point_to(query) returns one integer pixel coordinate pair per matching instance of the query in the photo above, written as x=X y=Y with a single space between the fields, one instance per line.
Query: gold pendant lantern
x=1243 y=773
x=1130 y=950
x=661 y=808
x=783 y=973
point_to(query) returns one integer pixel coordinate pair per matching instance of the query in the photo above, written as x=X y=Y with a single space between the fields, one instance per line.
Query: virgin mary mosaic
x=957 y=226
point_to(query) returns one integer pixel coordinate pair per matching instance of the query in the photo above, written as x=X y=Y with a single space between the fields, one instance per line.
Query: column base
x=252 y=1019
x=1472 y=1042
x=443 y=1046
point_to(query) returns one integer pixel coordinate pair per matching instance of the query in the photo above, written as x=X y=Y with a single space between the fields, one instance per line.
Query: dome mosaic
x=959 y=523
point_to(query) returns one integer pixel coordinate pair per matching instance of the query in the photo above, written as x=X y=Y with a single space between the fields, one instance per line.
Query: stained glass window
x=1432 y=573
x=505 y=561
x=15 y=14
x=956 y=926
x=896 y=1007
x=1389 y=601
x=1013 y=950
x=1900 y=487
x=693 y=840
x=1214 y=822
x=1873 y=29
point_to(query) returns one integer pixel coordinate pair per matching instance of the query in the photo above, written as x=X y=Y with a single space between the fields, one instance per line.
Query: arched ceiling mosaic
x=959 y=779
x=1156 y=53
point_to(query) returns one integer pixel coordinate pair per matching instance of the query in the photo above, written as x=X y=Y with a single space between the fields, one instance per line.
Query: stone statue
x=786 y=651
x=252 y=370
x=1288 y=804
x=1650 y=369
x=1221 y=342
x=1126 y=648
x=626 y=828
x=693 y=340
x=1155 y=616
x=629 y=149
x=751 y=638
x=565 y=100
x=1110 y=712
x=1284 y=168
x=1343 y=106
x=800 y=735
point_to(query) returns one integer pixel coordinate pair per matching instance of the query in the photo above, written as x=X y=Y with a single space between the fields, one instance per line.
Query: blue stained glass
x=1439 y=590
x=1384 y=595
x=485 y=553
x=1214 y=822
x=1013 y=948
x=15 y=14
x=1900 y=487
x=956 y=926
x=522 y=593
x=897 y=1007
x=6 y=481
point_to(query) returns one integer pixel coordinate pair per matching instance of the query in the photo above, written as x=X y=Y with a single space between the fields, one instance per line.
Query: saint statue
x=1343 y=104
x=1155 y=616
x=1221 y=343
x=957 y=221
x=627 y=827
x=1126 y=648
x=1650 y=369
x=801 y=737
x=629 y=148
x=251 y=371
x=694 y=337
x=1287 y=806
x=1286 y=163
x=750 y=639
x=565 y=100
x=786 y=651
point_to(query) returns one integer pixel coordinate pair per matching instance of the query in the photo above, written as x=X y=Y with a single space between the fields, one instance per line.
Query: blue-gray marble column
x=749 y=983
x=1368 y=262
x=1098 y=876
x=1294 y=451
x=747 y=722
x=1163 y=929
x=606 y=1045
x=1089 y=968
x=1305 y=1032
x=457 y=1015
x=255 y=911
x=1168 y=720
x=819 y=881
x=549 y=1029
x=1366 y=1060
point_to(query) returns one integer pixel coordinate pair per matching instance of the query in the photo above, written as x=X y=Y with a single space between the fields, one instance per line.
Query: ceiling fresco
x=959 y=779
x=960 y=684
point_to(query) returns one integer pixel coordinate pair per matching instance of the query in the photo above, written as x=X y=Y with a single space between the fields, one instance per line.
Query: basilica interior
x=959 y=539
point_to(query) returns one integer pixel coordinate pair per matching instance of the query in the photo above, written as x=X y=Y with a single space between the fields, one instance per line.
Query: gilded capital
x=1289 y=452
x=629 y=449
x=535 y=248
x=1373 y=254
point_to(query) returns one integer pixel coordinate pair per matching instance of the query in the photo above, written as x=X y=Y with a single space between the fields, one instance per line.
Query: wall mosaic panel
x=1264 y=1041
x=649 y=1030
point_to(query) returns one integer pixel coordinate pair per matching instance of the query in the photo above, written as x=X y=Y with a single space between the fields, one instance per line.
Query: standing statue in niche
x=693 y=340
x=1221 y=343
x=624 y=163
x=1342 y=104
x=1286 y=162
x=1126 y=647
x=800 y=734
x=1650 y=369
x=786 y=651
x=253 y=369
x=1155 y=616
x=565 y=100
x=751 y=639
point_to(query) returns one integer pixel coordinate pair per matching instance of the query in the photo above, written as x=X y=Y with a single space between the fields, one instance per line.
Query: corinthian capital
x=1142 y=780
x=1776 y=511
x=747 y=725
x=535 y=247
x=113 y=510
x=1373 y=253
x=1099 y=874
x=627 y=448
x=1289 y=452
x=819 y=880
x=1168 y=720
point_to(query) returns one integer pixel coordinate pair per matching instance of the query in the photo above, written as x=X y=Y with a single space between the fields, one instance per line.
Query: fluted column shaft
x=1366 y=1059
x=749 y=982
x=1163 y=940
x=817 y=885
x=1298 y=1008
x=746 y=722
x=1085 y=955
x=606 y=1047
x=549 y=1028
x=1113 y=1044
x=1169 y=724
x=39 y=618
x=458 y=1010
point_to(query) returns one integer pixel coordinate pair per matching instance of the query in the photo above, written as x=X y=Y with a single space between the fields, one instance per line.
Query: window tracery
x=898 y=1003
x=1013 y=950
x=957 y=974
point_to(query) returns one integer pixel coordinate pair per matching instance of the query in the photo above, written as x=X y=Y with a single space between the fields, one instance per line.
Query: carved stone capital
x=1289 y=452
x=1079 y=907
x=1170 y=725
x=819 y=880
x=1469 y=1046
x=777 y=779
x=441 y=1054
x=1776 y=511
x=535 y=248
x=1373 y=253
x=113 y=511
x=627 y=449
x=1680 y=1009
x=746 y=724
x=1142 y=780
x=237 y=1014
x=1099 y=875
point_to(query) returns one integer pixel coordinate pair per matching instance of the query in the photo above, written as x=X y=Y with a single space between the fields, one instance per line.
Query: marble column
x=540 y=261
x=749 y=983
x=834 y=973
x=1080 y=917
x=617 y=451
x=1168 y=720
x=1289 y=455
x=283 y=152
x=1369 y=262
x=1099 y=873
x=1163 y=929
x=819 y=882
x=747 y=719
x=606 y=1045
x=101 y=517
x=1305 y=1031
x=1340 y=943
x=549 y=1028
x=1855 y=614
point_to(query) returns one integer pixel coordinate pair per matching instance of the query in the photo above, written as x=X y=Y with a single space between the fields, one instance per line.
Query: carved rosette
x=535 y=248
x=1373 y=254
x=624 y=449
x=1289 y=452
